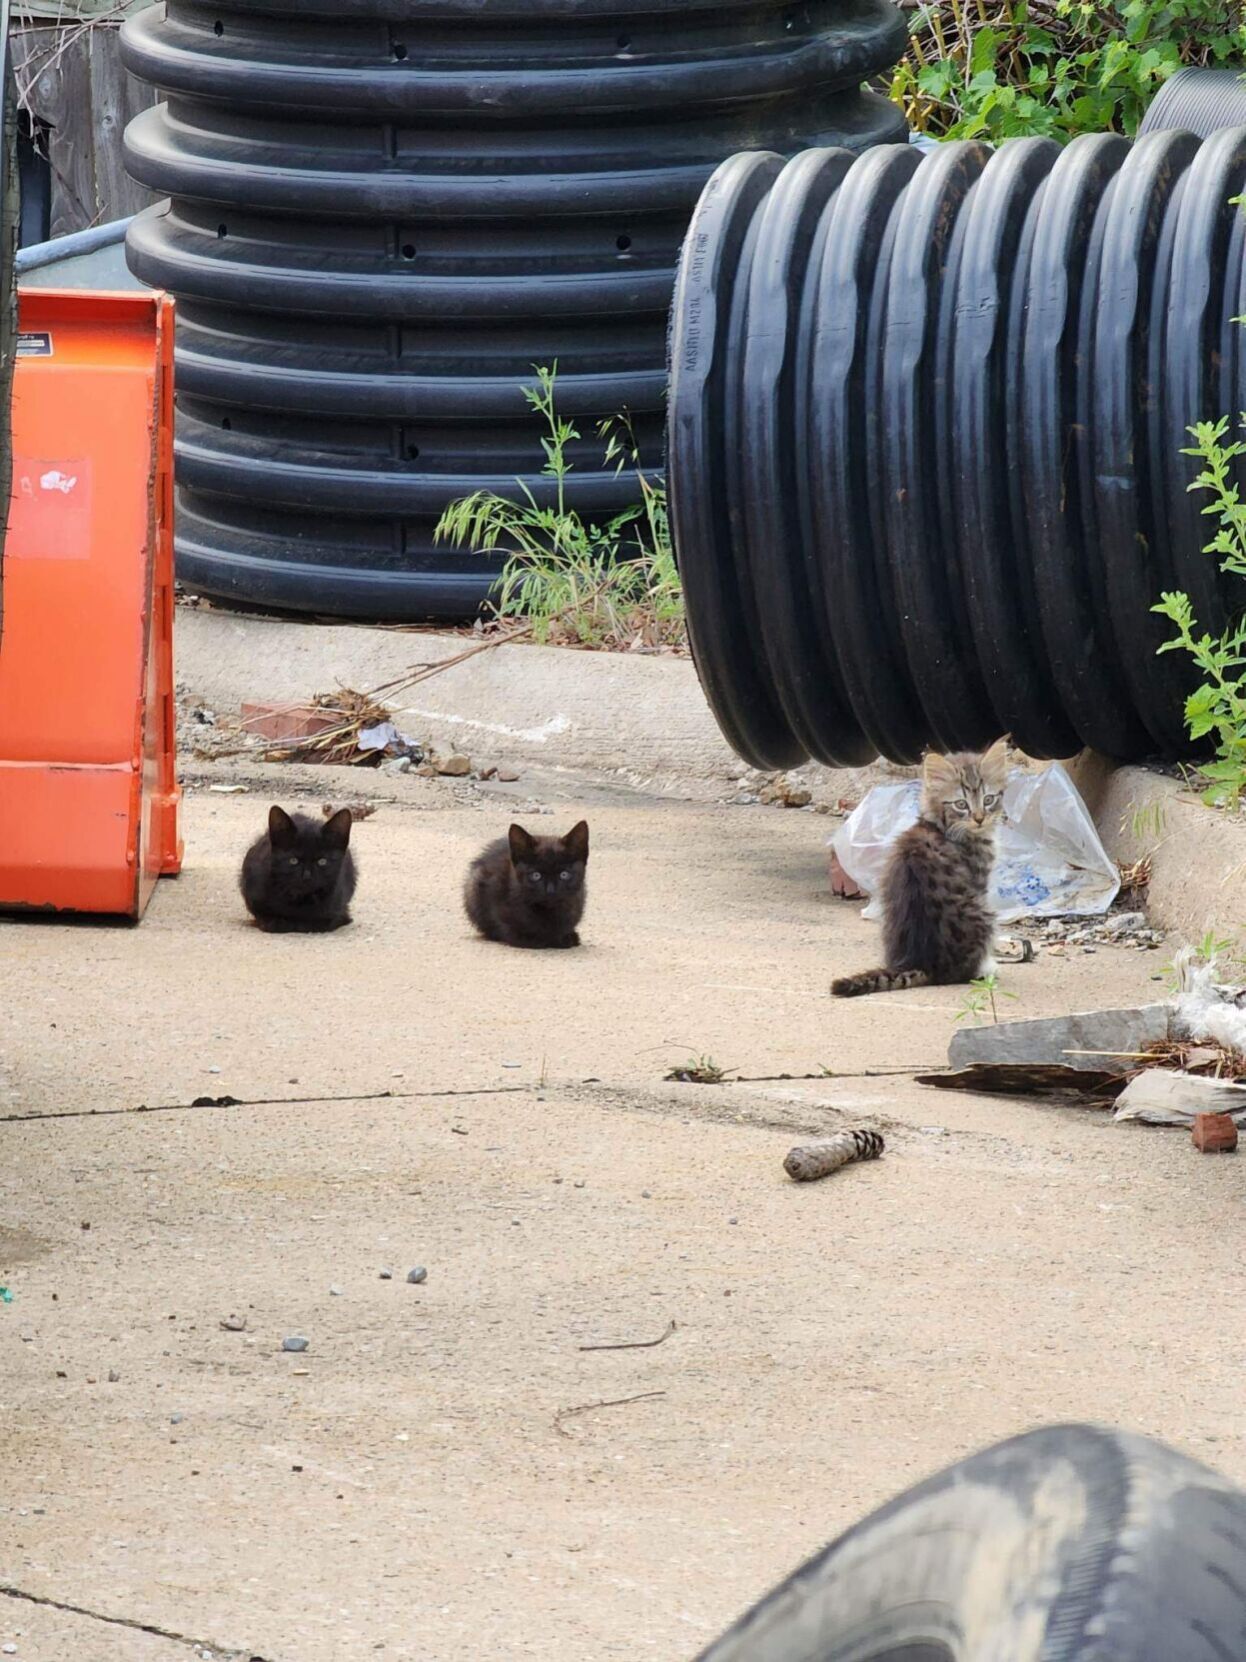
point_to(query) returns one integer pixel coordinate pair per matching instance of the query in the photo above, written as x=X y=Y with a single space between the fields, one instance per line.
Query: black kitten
x=529 y=891
x=300 y=875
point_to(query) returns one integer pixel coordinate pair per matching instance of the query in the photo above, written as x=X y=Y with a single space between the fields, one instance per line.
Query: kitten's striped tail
x=877 y=981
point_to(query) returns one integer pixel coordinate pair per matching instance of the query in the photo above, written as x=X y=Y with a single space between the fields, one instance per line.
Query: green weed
x=1216 y=708
x=608 y=585
x=981 y=997
x=699 y=1070
x=999 y=69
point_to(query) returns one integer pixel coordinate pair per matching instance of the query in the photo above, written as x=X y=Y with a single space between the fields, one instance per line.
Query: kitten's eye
x=564 y=876
x=294 y=859
x=961 y=806
x=323 y=860
x=534 y=877
x=990 y=801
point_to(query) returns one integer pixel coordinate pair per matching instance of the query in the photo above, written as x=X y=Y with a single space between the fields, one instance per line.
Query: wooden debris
x=1031 y=1079
x=1162 y=1096
x=810 y=1161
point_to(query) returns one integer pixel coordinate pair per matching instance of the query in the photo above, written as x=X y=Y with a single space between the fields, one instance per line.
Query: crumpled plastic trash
x=1051 y=861
x=385 y=736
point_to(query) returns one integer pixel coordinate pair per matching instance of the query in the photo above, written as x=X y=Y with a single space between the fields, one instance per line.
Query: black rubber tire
x=1068 y=1544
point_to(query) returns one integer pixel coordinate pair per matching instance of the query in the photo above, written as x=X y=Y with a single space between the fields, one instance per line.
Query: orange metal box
x=88 y=778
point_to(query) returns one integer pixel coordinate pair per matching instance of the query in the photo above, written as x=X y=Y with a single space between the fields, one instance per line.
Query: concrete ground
x=447 y=1473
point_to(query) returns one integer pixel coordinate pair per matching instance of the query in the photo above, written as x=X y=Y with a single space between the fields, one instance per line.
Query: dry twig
x=636 y=1344
x=587 y=1408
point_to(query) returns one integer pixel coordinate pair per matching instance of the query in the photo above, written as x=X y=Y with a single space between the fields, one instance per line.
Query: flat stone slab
x=1089 y=1039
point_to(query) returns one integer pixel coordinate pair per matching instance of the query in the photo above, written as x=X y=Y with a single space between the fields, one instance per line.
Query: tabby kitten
x=529 y=891
x=938 y=924
x=300 y=875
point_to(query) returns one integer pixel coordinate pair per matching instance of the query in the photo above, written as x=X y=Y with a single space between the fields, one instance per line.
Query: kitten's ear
x=280 y=827
x=336 y=833
x=576 y=841
x=523 y=845
x=936 y=769
x=995 y=762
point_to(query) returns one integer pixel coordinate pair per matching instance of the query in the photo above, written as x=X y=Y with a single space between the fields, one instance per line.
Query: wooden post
x=809 y=1161
x=10 y=216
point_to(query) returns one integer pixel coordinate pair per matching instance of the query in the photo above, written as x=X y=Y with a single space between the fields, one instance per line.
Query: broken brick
x=1214 y=1133
x=288 y=721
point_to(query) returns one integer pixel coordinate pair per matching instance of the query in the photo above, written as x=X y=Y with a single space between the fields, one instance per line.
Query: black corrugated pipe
x=386 y=212
x=925 y=431
x=1198 y=101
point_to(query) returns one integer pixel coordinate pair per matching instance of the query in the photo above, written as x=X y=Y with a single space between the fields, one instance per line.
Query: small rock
x=797 y=799
x=455 y=767
x=507 y=776
x=417 y=1275
x=645 y=1194
x=387 y=1275
x=9 y=1650
x=114 y=1378
x=176 y=1419
x=295 y=1342
x=398 y=764
x=426 y=770
x=234 y=1324
x=335 y=1292
x=1125 y=923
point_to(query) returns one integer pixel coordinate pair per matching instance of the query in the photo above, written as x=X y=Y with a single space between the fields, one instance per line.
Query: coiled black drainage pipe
x=1198 y=101
x=924 y=441
x=384 y=213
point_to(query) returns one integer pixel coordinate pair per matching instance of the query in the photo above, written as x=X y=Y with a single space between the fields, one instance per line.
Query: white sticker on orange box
x=50 y=515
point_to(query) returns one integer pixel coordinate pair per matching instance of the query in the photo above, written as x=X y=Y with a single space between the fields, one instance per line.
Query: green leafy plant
x=608 y=585
x=1217 y=707
x=981 y=997
x=1000 y=69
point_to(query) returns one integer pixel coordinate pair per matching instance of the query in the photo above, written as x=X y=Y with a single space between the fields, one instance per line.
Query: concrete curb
x=1198 y=854
x=643 y=722
x=639 y=721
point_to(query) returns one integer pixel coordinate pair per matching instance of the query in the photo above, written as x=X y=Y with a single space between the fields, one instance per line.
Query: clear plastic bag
x=1051 y=861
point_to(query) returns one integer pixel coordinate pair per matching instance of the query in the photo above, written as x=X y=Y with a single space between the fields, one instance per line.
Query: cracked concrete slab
x=400 y=1489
